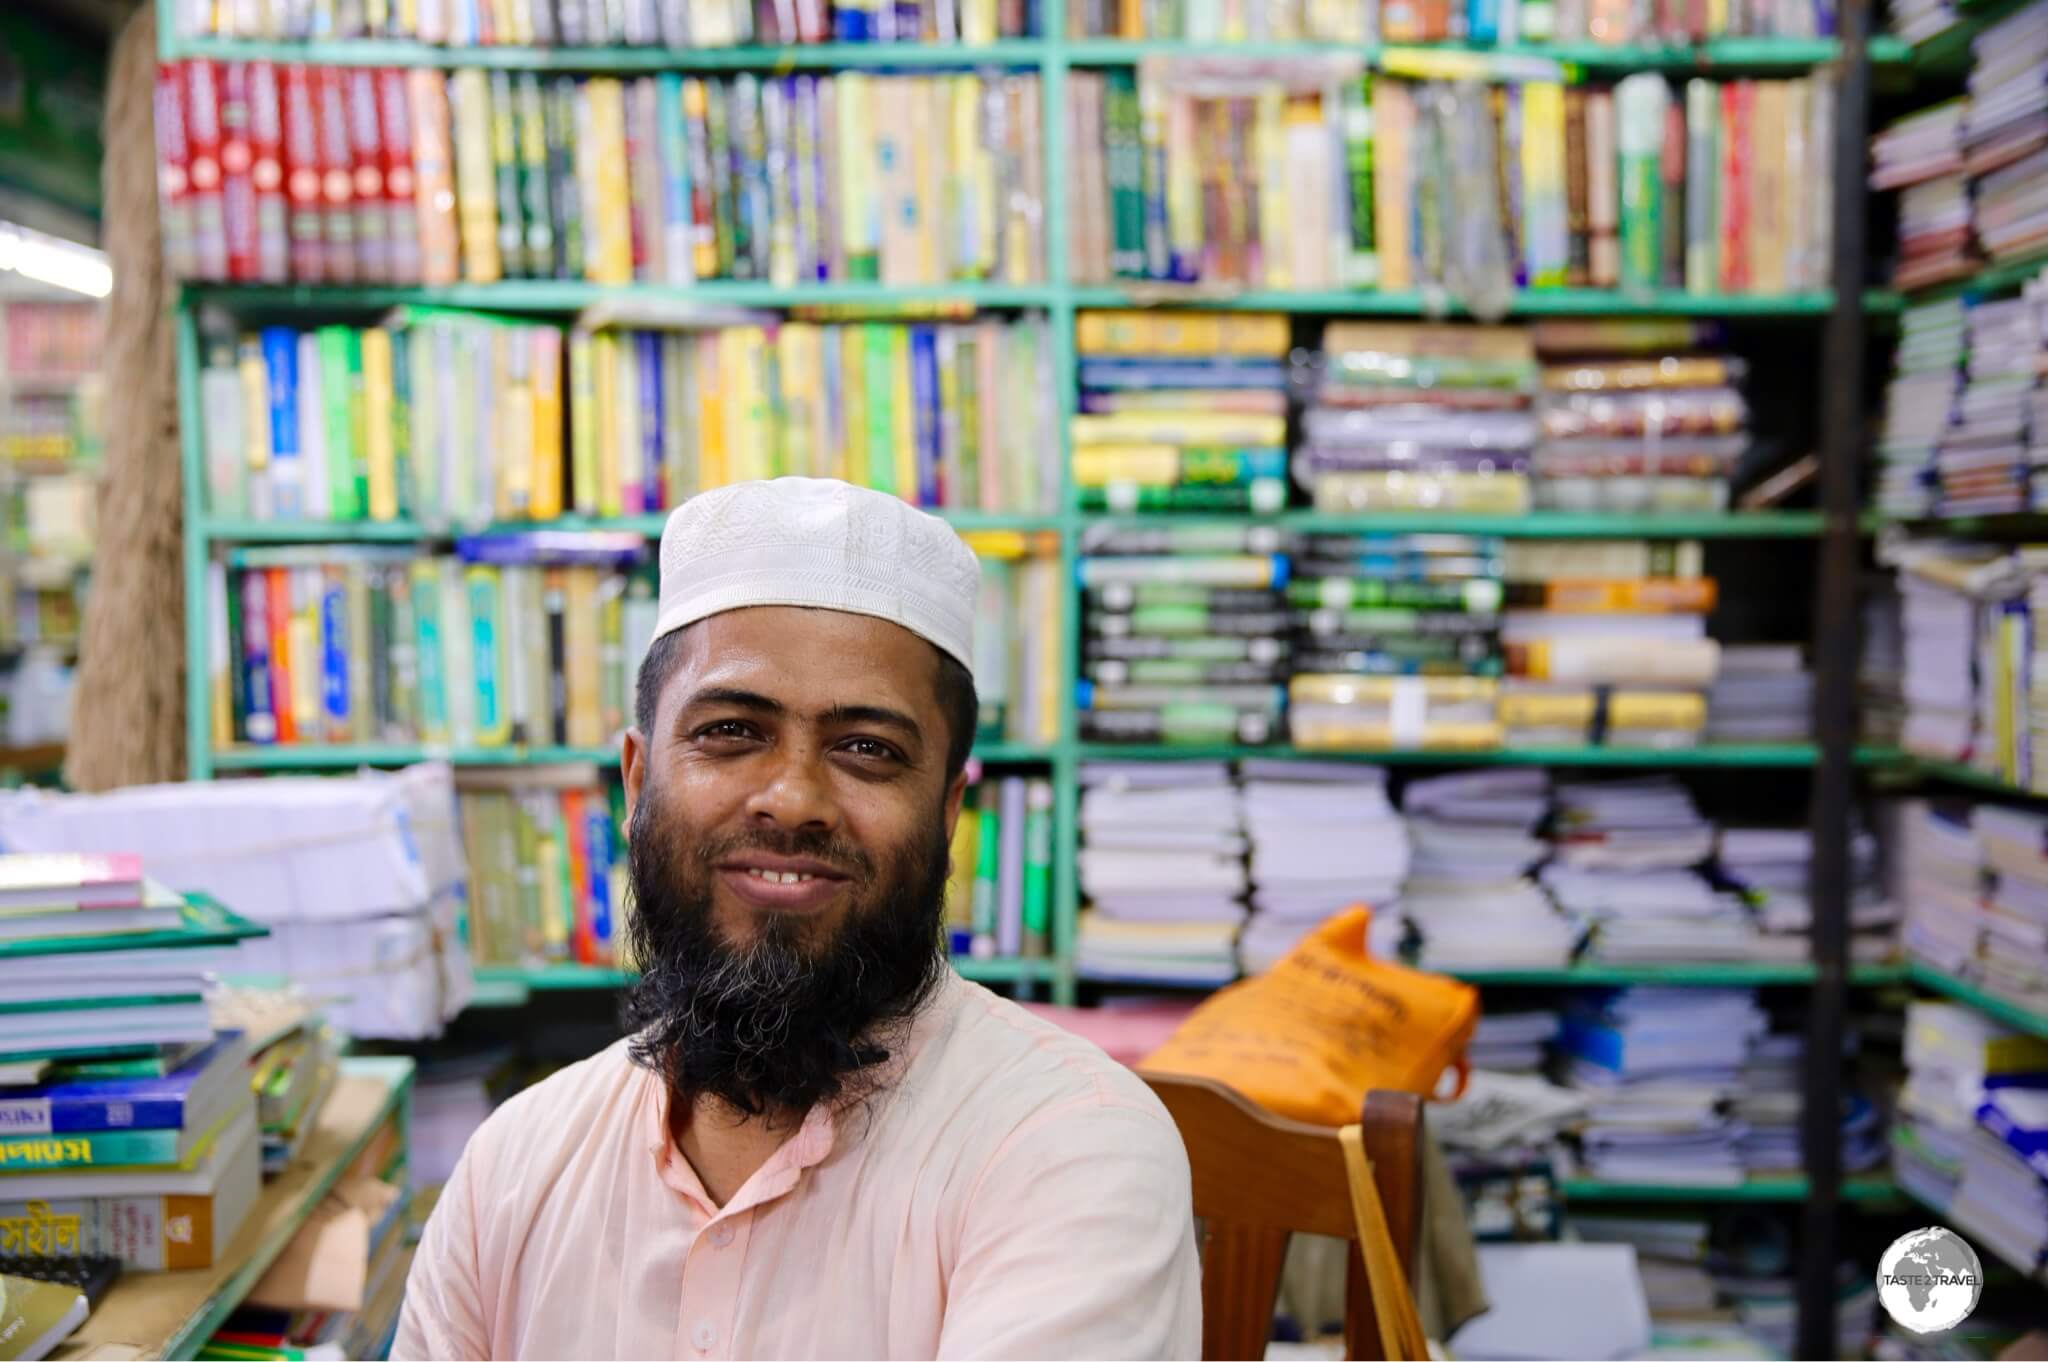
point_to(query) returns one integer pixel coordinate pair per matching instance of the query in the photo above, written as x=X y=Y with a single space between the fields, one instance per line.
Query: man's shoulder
x=565 y=1109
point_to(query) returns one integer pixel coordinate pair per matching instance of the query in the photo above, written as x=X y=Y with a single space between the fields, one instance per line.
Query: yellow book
x=604 y=354
x=860 y=214
x=581 y=652
x=704 y=241
x=931 y=170
x=851 y=461
x=546 y=343
x=1767 y=189
x=476 y=202
x=302 y=651
x=713 y=468
x=1391 y=108
x=974 y=222
x=896 y=140
x=612 y=260
x=1184 y=170
x=512 y=409
x=255 y=410
x=489 y=653
x=1179 y=428
x=1269 y=146
x=961 y=858
x=743 y=453
x=377 y=415
x=796 y=357
x=1261 y=335
x=903 y=428
x=547 y=861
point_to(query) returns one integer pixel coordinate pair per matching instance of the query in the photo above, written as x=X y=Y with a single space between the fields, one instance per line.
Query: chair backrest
x=1260 y=1179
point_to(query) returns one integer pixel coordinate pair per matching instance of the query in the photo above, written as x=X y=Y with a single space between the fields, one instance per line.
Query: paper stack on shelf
x=1469 y=901
x=2006 y=134
x=1513 y=1042
x=2013 y=957
x=1919 y=406
x=1939 y=623
x=1983 y=462
x=1763 y=693
x=1770 y=867
x=1767 y=1103
x=1636 y=418
x=1970 y=1117
x=360 y=879
x=1916 y=21
x=1413 y=416
x=1162 y=871
x=1197 y=612
x=1323 y=838
x=1658 y=1063
x=1937 y=873
x=1920 y=146
x=1181 y=411
x=1627 y=853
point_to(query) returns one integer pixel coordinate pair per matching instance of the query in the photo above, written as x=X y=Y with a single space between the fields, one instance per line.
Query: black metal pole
x=1834 y=701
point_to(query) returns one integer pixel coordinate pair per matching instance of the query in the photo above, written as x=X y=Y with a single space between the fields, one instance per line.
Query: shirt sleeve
x=444 y=1314
x=1079 y=1242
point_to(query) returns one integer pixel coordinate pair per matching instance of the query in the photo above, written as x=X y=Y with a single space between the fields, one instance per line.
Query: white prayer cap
x=823 y=543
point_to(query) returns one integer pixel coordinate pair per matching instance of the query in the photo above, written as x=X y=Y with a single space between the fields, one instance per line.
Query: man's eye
x=726 y=729
x=872 y=748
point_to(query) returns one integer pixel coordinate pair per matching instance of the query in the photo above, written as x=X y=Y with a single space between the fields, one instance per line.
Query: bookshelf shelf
x=1531 y=525
x=804 y=56
x=1958 y=773
x=346 y=756
x=1746 y=755
x=232 y=531
x=1992 y=279
x=1734 y=974
x=1783 y=1187
x=1990 y=1004
x=1554 y=302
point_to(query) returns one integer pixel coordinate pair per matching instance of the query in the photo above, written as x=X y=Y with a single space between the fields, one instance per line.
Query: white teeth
x=780 y=876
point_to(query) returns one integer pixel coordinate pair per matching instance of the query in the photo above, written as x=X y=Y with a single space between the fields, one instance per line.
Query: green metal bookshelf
x=1836 y=313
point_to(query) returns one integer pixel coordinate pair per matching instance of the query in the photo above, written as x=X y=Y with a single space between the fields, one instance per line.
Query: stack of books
x=2013 y=956
x=1919 y=405
x=1312 y=173
x=1938 y=873
x=1396 y=605
x=346 y=175
x=1970 y=1128
x=1324 y=837
x=1162 y=872
x=1636 y=419
x=358 y=879
x=1514 y=1042
x=450 y=418
x=1658 y=1064
x=2006 y=134
x=1770 y=868
x=1622 y=659
x=1201 y=608
x=590 y=23
x=1763 y=693
x=547 y=859
x=1983 y=462
x=1627 y=864
x=131 y=1128
x=1019 y=623
x=1767 y=1102
x=1412 y=416
x=1469 y=901
x=999 y=896
x=1918 y=20
x=1922 y=155
x=1181 y=411
x=513 y=640
x=293 y=1063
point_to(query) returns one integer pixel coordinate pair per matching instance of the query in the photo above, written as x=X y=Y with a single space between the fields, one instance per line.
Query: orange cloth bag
x=1327 y=1024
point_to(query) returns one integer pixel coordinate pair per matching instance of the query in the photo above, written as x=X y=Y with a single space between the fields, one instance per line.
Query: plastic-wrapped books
x=1469 y=900
x=1323 y=838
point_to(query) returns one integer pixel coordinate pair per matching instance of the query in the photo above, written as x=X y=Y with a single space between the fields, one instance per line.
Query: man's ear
x=633 y=767
x=955 y=793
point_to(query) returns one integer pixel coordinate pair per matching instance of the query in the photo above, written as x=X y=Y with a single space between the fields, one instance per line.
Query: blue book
x=652 y=477
x=1593 y=1041
x=86 y=1105
x=281 y=368
x=1168 y=373
x=597 y=822
x=334 y=652
x=924 y=412
x=672 y=151
x=853 y=21
x=259 y=724
x=2019 y=1116
x=1482 y=21
x=602 y=548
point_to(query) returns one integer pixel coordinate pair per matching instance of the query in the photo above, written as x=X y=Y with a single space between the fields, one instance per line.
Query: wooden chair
x=1260 y=1179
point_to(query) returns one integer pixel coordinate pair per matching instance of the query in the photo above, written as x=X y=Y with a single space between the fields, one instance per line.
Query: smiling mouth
x=791 y=888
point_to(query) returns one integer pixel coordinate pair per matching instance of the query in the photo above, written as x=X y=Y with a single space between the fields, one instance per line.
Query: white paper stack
x=1513 y=1042
x=1940 y=633
x=1919 y=405
x=1323 y=838
x=2013 y=962
x=1763 y=694
x=1771 y=867
x=1162 y=869
x=1937 y=873
x=1469 y=899
x=1626 y=865
x=360 y=879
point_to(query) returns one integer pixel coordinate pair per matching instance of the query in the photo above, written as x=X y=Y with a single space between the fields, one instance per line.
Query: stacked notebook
x=1162 y=872
x=1637 y=417
x=1184 y=633
x=1323 y=837
x=1415 y=416
x=2006 y=134
x=1514 y=1042
x=1470 y=902
x=1982 y=463
x=1770 y=868
x=1921 y=154
x=1181 y=411
x=1919 y=405
x=1762 y=693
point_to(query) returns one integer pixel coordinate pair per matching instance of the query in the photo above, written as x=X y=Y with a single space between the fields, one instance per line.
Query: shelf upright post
x=1052 y=81
x=1834 y=715
x=198 y=695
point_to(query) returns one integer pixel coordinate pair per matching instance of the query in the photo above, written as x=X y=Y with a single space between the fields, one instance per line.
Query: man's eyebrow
x=873 y=714
x=737 y=698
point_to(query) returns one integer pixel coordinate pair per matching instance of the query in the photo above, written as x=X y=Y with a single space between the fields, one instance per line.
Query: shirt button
x=721 y=1233
x=703 y=1334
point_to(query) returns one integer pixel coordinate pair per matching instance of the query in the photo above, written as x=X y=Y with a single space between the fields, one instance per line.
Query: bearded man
x=818 y=1141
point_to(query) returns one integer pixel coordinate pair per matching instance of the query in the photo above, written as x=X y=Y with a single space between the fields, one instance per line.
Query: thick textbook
x=87 y=1104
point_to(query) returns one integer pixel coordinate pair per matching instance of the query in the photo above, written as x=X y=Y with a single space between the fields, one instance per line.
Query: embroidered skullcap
x=823 y=543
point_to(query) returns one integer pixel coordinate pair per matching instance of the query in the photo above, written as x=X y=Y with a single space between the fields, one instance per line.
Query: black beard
x=785 y=1020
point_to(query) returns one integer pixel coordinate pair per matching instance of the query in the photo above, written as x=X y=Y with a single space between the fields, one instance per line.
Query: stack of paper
x=1658 y=1064
x=1937 y=869
x=1973 y=1122
x=1469 y=900
x=1671 y=1255
x=2013 y=960
x=1513 y=1042
x=1916 y=21
x=1323 y=838
x=1983 y=461
x=1763 y=694
x=1626 y=864
x=2005 y=135
x=1770 y=867
x=1767 y=1103
x=1919 y=405
x=1162 y=870
x=359 y=878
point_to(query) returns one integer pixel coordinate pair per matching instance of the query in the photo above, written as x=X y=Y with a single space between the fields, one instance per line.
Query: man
x=820 y=1142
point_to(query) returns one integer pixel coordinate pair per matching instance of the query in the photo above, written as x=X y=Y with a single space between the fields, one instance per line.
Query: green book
x=967 y=419
x=566 y=199
x=1639 y=102
x=163 y=1060
x=1362 y=266
x=486 y=655
x=205 y=923
x=334 y=342
x=1124 y=161
x=987 y=872
x=505 y=175
x=404 y=478
x=877 y=368
x=1038 y=868
x=532 y=137
x=724 y=181
x=433 y=691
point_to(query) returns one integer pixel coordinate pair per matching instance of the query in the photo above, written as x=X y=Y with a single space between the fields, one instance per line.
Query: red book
x=202 y=136
x=266 y=172
x=337 y=181
x=1734 y=188
x=366 y=155
x=582 y=945
x=237 y=185
x=174 y=173
x=302 y=177
x=394 y=110
x=280 y=652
